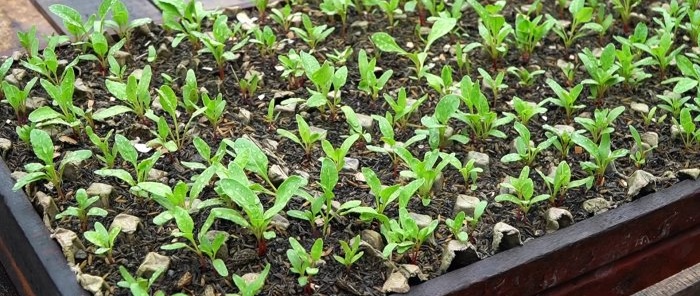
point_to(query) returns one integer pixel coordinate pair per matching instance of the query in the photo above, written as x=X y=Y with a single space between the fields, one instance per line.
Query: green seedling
x=601 y=155
x=523 y=189
x=405 y=236
x=311 y=34
x=103 y=239
x=253 y=288
x=84 y=209
x=17 y=98
x=559 y=182
x=369 y=83
x=307 y=137
x=305 y=263
x=525 y=150
x=600 y=123
x=524 y=111
x=351 y=253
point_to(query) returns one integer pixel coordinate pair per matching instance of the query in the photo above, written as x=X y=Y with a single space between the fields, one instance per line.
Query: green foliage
x=403 y=108
x=139 y=286
x=351 y=252
x=456 y=227
x=464 y=63
x=302 y=262
x=479 y=117
x=187 y=19
x=307 y=138
x=641 y=150
x=689 y=133
x=494 y=83
x=385 y=195
x=337 y=155
x=525 y=150
x=120 y=20
x=601 y=121
x=385 y=43
x=355 y=127
x=324 y=77
x=135 y=94
x=213 y=108
x=215 y=44
x=524 y=111
x=108 y=156
x=528 y=33
x=337 y=7
x=128 y=152
x=526 y=77
x=62 y=95
x=202 y=245
x=427 y=169
x=631 y=69
x=438 y=123
x=562 y=138
x=293 y=69
x=404 y=235
x=265 y=39
x=257 y=219
x=171 y=136
x=660 y=49
x=47 y=169
x=603 y=70
x=493 y=28
x=103 y=239
x=468 y=171
x=284 y=16
x=522 y=189
x=369 y=83
x=580 y=26
x=30 y=43
x=559 y=181
x=254 y=287
x=84 y=209
x=16 y=97
x=565 y=99
x=311 y=34
x=601 y=155
x=46 y=64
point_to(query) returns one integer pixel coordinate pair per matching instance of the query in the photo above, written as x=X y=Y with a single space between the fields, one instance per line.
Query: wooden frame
x=608 y=254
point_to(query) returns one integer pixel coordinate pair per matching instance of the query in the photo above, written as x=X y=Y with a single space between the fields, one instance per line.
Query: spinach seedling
x=284 y=16
x=103 y=239
x=258 y=219
x=624 y=9
x=672 y=103
x=565 y=99
x=254 y=287
x=641 y=150
x=386 y=43
x=324 y=77
x=369 y=83
x=337 y=155
x=527 y=78
x=46 y=64
x=390 y=143
x=17 y=98
x=580 y=25
x=443 y=83
x=120 y=21
x=29 y=42
x=603 y=71
x=469 y=172
x=456 y=227
x=354 y=125
x=562 y=138
x=525 y=150
x=102 y=51
x=73 y=21
x=464 y=63
x=140 y=286
x=135 y=94
x=660 y=49
x=690 y=78
x=305 y=263
x=187 y=19
x=632 y=69
x=62 y=95
x=493 y=29
x=265 y=39
x=293 y=69
x=339 y=8
x=216 y=42
x=427 y=169
x=437 y=123
x=405 y=236
x=128 y=152
x=600 y=124
x=389 y=8
x=523 y=190
x=403 y=107
x=494 y=83
x=351 y=254
x=47 y=170
x=482 y=121
x=528 y=33
x=385 y=195
x=213 y=109
x=559 y=182
x=524 y=110
x=307 y=137
x=602 y=155
x=689 y=133
x=202 y=245
x=169 y=102
x=311 y=34
x=84 y=209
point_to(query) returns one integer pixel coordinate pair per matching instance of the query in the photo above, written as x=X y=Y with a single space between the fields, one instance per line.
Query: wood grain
x=684 y=283
x=16 y=16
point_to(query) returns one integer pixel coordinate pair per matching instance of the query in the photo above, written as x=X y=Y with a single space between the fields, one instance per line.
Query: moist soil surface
x=366 y=277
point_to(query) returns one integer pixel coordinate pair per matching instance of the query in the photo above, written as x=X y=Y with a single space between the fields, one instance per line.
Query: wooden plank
x=686 y=282
x=558 y=258
x=637 y=271
x=19 y=16
x=137 y=9
x=35 y=263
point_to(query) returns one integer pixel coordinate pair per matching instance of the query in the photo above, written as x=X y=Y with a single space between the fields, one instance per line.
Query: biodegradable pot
x=619 y=252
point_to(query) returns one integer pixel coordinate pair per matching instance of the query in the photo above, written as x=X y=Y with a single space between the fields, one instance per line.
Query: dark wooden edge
x=686 y=282
x=35 y=263
x=564 y=255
